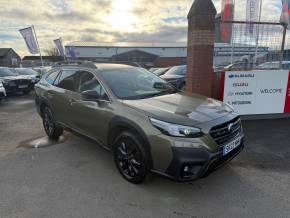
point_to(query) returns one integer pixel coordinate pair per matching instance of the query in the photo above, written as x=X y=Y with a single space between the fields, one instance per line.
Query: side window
x=89 y=82
x=184 y=71
x=68 y=80
x=50 y=78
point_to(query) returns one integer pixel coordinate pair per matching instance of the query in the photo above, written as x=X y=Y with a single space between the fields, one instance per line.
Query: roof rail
x=87 y=64
x=129 y=63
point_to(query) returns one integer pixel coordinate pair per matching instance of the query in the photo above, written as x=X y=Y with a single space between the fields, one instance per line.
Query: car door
x=91 y=118
x=65 y=91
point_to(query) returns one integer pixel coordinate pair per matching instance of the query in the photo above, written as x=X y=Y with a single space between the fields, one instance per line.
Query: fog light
x=190 y=170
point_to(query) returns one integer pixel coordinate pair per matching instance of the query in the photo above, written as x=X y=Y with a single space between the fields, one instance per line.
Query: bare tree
x=52 y=52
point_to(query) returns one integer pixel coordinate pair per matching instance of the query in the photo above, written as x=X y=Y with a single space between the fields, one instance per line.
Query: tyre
x=53 y=130
x=130 y=158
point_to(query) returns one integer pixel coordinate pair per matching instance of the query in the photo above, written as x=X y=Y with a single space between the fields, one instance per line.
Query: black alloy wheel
x=130 y=158
x=52 y=130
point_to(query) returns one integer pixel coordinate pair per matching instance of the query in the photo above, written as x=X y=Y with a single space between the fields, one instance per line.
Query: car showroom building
x=155 y=54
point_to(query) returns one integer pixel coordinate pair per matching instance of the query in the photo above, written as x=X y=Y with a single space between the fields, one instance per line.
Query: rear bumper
x=200 y=162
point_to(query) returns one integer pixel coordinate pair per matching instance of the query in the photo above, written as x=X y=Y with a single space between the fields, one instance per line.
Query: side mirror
x=90 y=95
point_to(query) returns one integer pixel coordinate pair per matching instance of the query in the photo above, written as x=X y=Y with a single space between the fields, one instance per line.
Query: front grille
x=22 y=82
x=222 y=134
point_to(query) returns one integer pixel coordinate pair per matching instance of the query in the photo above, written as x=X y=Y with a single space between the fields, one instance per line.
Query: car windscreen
x=6 y=72
x=161 y=71
x=26 y=72
x=133 y=83
x=178 y=70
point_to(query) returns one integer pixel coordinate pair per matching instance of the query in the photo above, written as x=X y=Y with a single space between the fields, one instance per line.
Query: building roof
x=37 y=57
x=4 y=51
x=135 y=52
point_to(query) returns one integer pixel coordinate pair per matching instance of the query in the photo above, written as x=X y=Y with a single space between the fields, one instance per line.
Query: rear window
x=6 y=72
x=68 y=80
x=51 y=77
x=178 y=70
x=26 y=72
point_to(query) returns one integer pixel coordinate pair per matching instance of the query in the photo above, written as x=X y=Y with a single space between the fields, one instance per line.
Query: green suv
x=147 y=124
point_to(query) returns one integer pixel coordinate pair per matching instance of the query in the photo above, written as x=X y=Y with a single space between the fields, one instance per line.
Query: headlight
x=176 y=130
x=5 y=81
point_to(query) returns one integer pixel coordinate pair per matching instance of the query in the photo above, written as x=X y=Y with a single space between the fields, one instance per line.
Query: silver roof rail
x=87 y=64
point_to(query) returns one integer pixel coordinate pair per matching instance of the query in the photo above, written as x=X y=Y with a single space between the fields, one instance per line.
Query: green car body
x=214 y=124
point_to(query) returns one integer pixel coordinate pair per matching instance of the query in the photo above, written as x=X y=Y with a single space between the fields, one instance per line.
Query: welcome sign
x=257 y=92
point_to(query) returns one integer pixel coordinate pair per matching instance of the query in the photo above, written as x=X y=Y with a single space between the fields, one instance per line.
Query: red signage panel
x=287 y=102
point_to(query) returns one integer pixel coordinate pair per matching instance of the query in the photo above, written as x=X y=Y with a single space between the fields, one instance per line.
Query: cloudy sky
x=105 y=20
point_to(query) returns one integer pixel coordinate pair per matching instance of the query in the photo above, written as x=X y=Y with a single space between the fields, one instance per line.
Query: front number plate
x=22 y=86
x=231 y=146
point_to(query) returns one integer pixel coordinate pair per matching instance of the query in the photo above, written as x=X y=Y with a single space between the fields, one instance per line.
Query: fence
x=253 y=45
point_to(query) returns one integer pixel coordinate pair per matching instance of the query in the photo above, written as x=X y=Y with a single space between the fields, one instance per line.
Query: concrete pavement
x=77 y=178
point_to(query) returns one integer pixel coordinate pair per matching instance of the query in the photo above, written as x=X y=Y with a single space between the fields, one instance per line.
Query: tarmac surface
x=76 y=178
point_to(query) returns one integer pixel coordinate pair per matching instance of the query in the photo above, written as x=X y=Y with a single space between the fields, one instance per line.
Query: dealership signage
x=258 y=92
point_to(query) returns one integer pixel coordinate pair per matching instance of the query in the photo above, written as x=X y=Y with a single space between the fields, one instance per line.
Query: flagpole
x=38 y=45
x=232 y=38
x=258 y=31
x=64 y=55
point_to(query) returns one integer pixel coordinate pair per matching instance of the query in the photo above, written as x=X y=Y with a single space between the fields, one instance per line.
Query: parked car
x=274 y=65
x=176 y=76
x=239 y=66
x=41 y=70
x=147 y=124
x=161 y=71
x=152 y=69
x=14 y=83
x=2 y=91
x=28 y=73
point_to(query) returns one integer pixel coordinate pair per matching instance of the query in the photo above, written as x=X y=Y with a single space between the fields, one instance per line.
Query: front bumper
x=15 y=89
x=170 y=156
x=199 y=161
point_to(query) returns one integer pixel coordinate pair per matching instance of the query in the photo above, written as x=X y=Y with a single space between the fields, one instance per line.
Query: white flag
x=30 y=40
x=59 y=46
x=252 y=15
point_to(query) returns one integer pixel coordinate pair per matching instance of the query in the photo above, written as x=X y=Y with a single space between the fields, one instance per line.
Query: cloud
x=91 y=20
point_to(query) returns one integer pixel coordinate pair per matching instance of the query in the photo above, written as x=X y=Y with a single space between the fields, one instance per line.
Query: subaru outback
x=149 y=125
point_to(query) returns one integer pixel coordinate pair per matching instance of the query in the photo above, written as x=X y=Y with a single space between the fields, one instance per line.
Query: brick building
x=9 y=58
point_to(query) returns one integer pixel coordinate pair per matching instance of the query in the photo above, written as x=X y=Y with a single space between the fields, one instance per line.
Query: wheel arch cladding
x=119 y=124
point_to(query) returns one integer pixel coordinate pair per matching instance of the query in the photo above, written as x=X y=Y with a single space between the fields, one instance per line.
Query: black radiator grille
x=222 y=134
